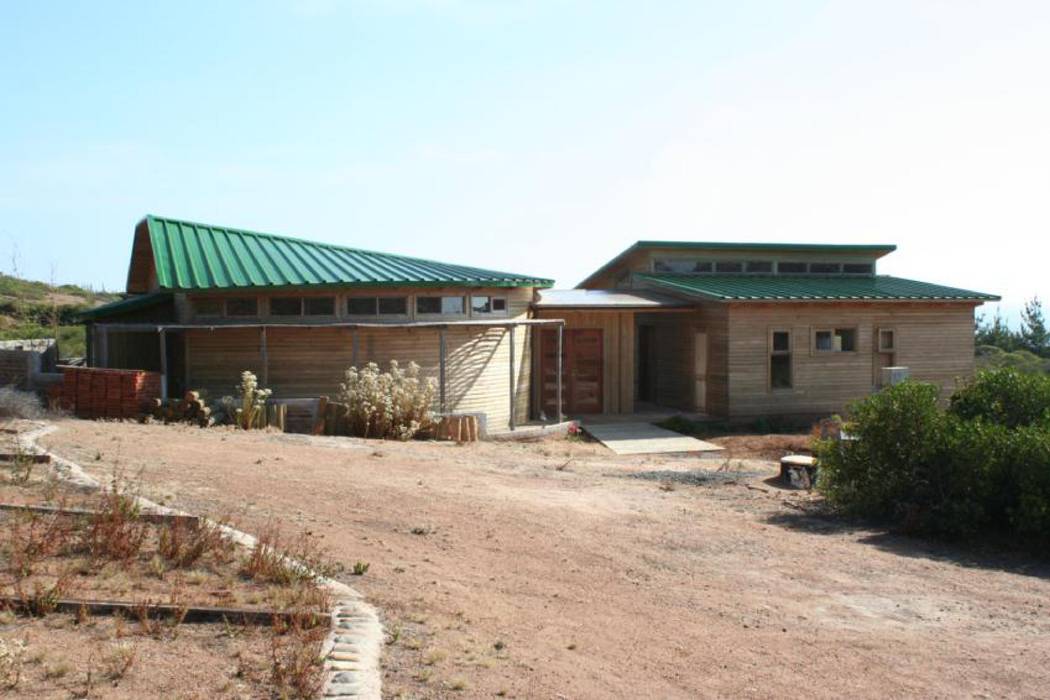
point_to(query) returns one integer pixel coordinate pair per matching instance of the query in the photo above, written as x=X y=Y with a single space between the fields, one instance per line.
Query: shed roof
x=195 y=256
x=122 y=306
x=606 y=299
x=808 y=288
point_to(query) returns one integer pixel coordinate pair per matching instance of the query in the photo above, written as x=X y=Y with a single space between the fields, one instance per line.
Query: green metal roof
x=192 y=256
x=123 y=306
x=876 y=250
x=808 y=288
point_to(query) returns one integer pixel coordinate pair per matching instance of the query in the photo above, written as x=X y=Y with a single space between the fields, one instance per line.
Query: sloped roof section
x=136 y=302
x=808 y=288
x=193 y=256
x=607 y=299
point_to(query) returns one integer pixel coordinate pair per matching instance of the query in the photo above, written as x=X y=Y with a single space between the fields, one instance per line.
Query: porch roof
x=611 y=299
x=803 y=288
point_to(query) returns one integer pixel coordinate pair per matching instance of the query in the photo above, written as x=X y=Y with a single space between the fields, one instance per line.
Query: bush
x=394 y=404
x=1004 y=396
x=974 y=468
x=19 y=404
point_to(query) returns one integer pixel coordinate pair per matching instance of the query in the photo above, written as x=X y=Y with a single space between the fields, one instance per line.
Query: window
x=824 y=268
x=792 y=268
x=887 y=340
x=242 y=306
x=838 y=340
x=361 y=306
x=681 y=265
x=483 y=305
x=858 y=268
x=760 y=266
x=393 y=306
x=286 y=306
x=207 y=307
x=729 y=267
x=446 y=306
x=780 y=360
x=319 y=306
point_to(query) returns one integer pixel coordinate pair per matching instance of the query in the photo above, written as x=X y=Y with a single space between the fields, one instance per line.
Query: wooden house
x=741 y=330
x=207 y=302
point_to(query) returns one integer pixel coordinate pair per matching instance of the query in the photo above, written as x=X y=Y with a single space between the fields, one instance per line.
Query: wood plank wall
x=935 y=340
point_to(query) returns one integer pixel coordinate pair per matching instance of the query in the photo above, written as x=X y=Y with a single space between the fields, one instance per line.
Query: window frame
x=463 y=313
x=879 y=347
x=492 y=310
x=833 y=330
x=772 y=352
x=220 y=304
x=376 y=313
x=226 y=307
x=335 y=306
x=270 y=311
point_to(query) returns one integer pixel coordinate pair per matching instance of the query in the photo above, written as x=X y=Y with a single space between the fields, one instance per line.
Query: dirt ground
x=558 y=570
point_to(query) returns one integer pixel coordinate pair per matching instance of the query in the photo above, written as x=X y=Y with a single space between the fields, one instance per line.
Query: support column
x=163 y=364
x=354 y=343
x=561 y=329
x=442 y=357
x=510 y=332
x=264 y=351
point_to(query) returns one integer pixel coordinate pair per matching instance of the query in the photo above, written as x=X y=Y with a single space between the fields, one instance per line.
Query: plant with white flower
x=394 y=404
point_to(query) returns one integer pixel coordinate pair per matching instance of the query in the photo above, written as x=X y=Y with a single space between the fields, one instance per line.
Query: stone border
x=353 y=646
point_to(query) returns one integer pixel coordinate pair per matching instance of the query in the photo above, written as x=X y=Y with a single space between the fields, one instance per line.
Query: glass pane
x=207 y=307
x=729 y=267
x=242 y=306
x=781 y=341
x=286 y=306
x=481 y=305
x=824 y=268
x=845 y=339
x=759 y=266
x=499 y=304
x=393 y=306
x=320 y=306
x=680 y=265
x=452 y=305
x=428 y=305
x=361 y=306
x=791 y=268
x=780 y=371
x=858 y=268
x=885 y=340
x=823 y=340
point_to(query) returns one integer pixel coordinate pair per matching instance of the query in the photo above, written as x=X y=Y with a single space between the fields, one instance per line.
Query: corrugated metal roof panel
x=607 y=299
x=809 y=288
x=191 y=256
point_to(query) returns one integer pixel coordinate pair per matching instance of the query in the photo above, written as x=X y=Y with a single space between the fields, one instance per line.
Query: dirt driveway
x=557 y=570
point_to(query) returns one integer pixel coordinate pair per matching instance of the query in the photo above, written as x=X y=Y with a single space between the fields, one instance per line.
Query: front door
x=700 y=371
x=581 y=371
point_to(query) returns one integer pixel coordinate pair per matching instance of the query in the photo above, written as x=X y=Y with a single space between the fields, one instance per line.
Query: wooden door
x=581 y=371
x=700 y=371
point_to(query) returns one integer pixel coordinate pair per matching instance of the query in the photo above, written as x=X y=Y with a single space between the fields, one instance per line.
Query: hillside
x=30 y=309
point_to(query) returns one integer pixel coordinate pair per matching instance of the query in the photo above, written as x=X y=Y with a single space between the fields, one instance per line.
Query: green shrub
x=394 y=404
x=1004 y=396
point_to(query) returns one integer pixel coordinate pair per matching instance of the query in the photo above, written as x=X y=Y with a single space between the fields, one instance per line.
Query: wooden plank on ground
x=190 y=521
x=645 y=438
x=158 y=610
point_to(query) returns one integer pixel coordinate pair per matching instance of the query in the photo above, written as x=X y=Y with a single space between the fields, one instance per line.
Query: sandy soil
x=557 y=570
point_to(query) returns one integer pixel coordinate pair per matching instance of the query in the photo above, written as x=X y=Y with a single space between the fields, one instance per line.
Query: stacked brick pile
x=92 y=392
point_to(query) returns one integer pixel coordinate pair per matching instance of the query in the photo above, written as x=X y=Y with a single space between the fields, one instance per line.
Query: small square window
x=393 y=306
x=242 y=306
x=286 y=306
x=481 y=305
x=207 y=307
x=361 y=306
x=319 y=306
x=838 y=340
x=781 y=341
x=858 y=268
x=886 y=340
x=499 y=304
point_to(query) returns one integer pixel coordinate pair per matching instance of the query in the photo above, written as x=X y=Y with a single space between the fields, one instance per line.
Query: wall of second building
x=311 y=362
x=934 y=340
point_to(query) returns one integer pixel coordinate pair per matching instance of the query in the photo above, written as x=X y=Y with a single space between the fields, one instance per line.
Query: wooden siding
x=618 y=345
x=309 y=362
x=934 y=340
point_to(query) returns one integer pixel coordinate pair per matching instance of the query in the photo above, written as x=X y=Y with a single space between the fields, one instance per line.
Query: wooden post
x=103 y=346
x=442 y=356
x=561 y=329
x=510 y=331
x=265 y=357
x=353 y=347
x=163 y=364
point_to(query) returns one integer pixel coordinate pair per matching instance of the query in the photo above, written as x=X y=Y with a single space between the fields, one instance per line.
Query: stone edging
x=355 y=643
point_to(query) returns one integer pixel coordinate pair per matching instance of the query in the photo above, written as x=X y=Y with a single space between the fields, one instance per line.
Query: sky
x=536 y=137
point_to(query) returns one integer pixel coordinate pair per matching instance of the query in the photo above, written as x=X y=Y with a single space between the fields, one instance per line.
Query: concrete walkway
x=644 y=438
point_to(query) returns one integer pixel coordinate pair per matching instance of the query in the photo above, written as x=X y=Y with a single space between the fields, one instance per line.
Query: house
x=734 y=331
x=740 y=331
x=207 y=302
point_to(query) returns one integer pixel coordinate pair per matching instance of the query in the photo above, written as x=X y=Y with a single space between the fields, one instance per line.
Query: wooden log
x=192 y=396
x=189 y=521
x=322 y=408
x=191 y=614
x=25 y=457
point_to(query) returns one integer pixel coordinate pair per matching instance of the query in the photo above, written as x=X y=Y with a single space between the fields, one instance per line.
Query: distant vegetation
x=1026 y=350
x=30 y=309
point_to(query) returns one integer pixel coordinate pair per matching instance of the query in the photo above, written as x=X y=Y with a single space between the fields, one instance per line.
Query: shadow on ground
x=989 y=553
x=695 y=477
